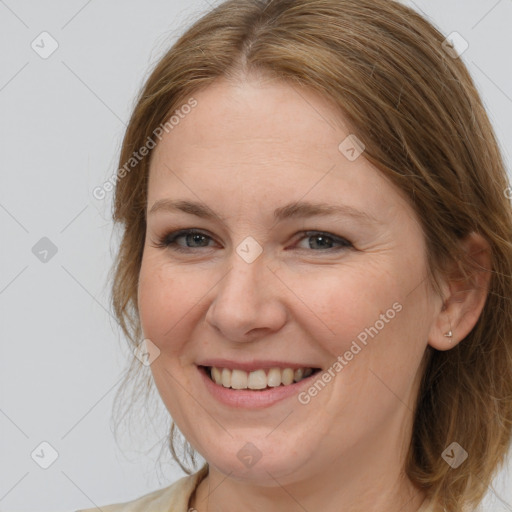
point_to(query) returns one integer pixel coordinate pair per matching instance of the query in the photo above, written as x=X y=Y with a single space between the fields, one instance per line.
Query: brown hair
x=424 y=126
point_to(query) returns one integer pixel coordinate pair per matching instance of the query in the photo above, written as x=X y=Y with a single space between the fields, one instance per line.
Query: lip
x=249 y=399
x=250 y=366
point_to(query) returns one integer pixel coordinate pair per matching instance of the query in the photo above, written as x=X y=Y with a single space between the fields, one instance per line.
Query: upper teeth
x=258 y=379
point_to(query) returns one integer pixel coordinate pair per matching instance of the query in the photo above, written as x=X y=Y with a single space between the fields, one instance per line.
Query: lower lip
x=249 y=399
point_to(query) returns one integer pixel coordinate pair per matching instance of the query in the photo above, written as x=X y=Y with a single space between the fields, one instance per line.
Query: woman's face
x=274 y=281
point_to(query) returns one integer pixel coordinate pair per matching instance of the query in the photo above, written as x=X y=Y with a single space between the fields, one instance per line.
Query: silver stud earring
x=449 y=334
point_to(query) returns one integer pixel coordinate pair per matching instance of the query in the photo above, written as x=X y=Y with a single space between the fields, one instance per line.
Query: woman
x=316 y=251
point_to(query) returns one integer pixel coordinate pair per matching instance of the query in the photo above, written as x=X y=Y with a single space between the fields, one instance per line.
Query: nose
x=248 y=302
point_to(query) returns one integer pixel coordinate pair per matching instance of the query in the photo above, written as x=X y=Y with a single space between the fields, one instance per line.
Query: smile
x=258 y=379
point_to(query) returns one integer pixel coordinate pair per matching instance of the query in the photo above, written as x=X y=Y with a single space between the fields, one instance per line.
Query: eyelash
x=168 y=241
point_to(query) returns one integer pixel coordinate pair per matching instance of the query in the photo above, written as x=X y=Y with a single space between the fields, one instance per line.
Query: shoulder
x=174 y=498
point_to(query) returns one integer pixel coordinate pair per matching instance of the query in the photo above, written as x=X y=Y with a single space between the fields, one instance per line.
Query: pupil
x=196 y=237
x=324 y=240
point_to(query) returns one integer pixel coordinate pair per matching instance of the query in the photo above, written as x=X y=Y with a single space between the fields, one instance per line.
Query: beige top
x=174 y=498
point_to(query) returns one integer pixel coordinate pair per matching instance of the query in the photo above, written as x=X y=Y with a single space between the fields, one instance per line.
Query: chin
x=261 y=462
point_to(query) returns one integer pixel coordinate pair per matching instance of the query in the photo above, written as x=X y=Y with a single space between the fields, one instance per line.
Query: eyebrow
x=298 y=209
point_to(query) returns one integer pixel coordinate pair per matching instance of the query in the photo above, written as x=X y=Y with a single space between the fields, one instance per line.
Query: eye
x=319 y=241
x=193 y=239
x=325 y=241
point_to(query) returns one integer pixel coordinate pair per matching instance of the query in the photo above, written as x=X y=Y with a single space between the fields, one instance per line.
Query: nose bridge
x=245 y=298
x=242 y=287
x=247 y=269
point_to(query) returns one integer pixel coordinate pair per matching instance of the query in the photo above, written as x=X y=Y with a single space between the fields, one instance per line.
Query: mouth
x=257 y=380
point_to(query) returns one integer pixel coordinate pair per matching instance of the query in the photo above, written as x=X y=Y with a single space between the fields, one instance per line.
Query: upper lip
x=249 y=366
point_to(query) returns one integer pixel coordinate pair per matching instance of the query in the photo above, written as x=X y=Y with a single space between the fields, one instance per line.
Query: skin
x=247 y=148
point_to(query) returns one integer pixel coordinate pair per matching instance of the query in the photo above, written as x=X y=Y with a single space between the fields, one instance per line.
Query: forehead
x=259 y=113
x=265 y=142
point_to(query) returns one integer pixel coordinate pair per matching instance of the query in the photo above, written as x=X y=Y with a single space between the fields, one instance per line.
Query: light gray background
x=61 y=124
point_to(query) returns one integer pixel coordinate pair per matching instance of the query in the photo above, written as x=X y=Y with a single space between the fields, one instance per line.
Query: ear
x=464 y=298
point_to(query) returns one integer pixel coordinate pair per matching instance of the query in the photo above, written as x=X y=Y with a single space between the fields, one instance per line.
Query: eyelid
x=344 y=242
x=168 y=240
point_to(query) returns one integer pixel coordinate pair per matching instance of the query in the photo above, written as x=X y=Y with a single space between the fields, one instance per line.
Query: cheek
x=164 y=297
x=342 y=302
